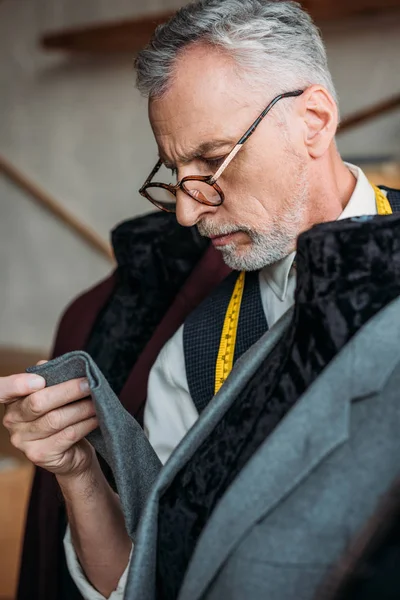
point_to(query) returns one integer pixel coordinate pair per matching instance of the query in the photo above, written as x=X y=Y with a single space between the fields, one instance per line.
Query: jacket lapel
x=141 y=580
x=315 y=427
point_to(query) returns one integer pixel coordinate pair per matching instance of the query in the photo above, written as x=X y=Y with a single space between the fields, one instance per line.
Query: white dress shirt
x=170 y=411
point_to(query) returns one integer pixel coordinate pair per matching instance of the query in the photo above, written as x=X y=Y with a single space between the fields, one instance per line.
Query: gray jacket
x=303 y=495
x=307 y=490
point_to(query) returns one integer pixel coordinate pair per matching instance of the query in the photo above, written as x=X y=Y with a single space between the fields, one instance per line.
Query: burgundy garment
x=39 y=568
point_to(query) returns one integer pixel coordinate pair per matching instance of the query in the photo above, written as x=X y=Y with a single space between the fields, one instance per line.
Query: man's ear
x=320 y=115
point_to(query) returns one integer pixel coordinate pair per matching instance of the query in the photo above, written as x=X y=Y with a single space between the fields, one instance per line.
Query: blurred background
x=75 y=146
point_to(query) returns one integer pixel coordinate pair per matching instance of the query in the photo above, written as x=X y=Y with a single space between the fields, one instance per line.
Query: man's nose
x=189 y=211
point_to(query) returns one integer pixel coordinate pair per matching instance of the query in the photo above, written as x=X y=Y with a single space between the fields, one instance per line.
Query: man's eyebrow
x=199 y=152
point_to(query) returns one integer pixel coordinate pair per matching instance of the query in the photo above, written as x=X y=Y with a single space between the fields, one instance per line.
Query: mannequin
x=347 y=272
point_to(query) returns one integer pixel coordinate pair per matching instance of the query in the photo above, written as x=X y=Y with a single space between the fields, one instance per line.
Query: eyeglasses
x=202 y=188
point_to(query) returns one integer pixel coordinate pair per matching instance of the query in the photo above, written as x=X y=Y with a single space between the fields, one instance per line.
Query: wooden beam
x=328 y=10
x=131 y=35
x=370 y=113
x=50 y=203
x=120 y=37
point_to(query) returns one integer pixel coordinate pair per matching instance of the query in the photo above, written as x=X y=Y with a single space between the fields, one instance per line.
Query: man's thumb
x=14 y=387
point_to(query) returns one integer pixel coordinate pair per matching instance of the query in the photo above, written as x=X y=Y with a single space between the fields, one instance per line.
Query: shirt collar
x=362 y=202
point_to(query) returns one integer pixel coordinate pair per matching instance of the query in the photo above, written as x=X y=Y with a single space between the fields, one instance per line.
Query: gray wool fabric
x=119 y=438
x=309 y=488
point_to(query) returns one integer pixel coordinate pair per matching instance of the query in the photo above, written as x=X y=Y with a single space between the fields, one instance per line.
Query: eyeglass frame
x=209 y=179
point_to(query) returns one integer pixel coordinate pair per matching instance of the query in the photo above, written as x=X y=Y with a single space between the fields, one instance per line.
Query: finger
x=57 y=420
x=41 y=362
x=38 y=404
x=73 y=434
x=43 y=452
x=18 y=386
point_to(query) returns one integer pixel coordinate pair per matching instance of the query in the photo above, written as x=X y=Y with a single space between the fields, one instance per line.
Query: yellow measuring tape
x=227 y=344
x=382 y=203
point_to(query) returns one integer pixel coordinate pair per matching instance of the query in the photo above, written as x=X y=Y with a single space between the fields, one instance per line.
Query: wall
x=79 y=128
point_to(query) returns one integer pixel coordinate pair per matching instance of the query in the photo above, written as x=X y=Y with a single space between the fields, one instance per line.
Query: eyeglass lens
x=198 y=190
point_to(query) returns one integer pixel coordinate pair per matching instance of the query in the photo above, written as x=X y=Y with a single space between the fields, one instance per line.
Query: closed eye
x=213 y=163
x=170 y=167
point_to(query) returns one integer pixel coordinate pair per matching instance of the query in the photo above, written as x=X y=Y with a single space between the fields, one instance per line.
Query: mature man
x=244 y=111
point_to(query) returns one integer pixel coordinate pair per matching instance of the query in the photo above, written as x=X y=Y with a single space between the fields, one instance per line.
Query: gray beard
x=266 y=247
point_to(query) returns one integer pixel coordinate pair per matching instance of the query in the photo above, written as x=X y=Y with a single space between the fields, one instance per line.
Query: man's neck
x=345 y=184
x=328 y=199
x=331 y=193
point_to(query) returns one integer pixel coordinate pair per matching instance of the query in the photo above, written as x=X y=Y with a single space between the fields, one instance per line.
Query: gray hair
x=272 y=41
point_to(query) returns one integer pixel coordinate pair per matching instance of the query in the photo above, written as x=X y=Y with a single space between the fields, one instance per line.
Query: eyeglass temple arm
x=250 y=131
x=256 y=123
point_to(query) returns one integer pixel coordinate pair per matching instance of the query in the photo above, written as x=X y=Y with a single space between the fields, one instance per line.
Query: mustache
x=208 y=229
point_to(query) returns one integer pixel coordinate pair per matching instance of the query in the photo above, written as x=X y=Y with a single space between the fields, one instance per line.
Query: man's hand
x=49 y=424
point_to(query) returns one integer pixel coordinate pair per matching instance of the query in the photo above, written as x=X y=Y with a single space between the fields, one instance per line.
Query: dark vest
x=203 y=328
x=202 y=333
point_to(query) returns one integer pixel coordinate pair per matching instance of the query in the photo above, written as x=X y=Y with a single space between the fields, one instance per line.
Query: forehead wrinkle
x=213 y=104
x=199 y=151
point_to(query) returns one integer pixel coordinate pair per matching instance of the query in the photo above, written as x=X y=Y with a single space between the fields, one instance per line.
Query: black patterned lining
x=155 y=256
